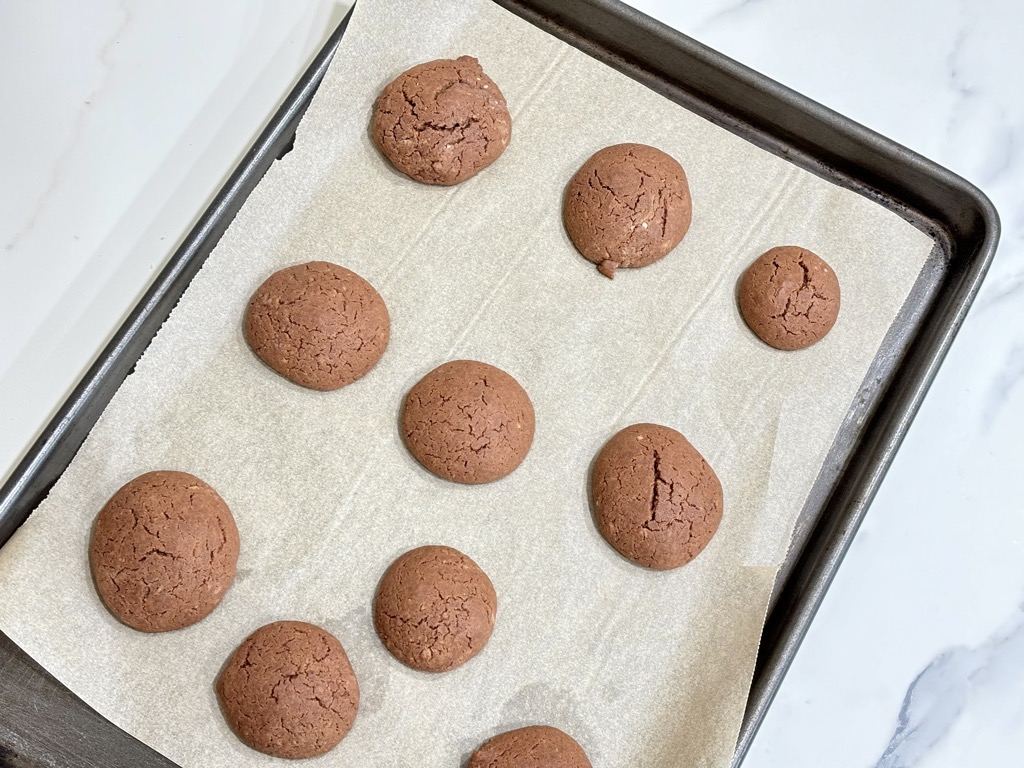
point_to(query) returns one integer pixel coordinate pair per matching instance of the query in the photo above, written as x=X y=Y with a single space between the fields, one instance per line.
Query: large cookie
x=535 y=746
x=434 y=609
x=628 y=206
x=441 y=122
x=319 y=325
x=163 y=551
x=656 y=500
x=468 y=421
x=289 y=690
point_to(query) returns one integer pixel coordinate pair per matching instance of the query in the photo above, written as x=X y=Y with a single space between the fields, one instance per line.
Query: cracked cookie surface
x=289 y=690
x=163 y=551
x=468 y=421
x=535 y=746
x=434 y=609
x=442 y=121
x=317 y=324
x=656 y=500
x=627 y=206
x=789 y=297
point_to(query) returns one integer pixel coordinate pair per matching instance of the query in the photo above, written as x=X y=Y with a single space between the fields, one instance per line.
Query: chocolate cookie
x=789 y=297
x=289 y=690
x=441 y=122
x=656 y=500
x=163 y=551
x=536 y=746
x=469 y=422
x=434 y=609
x=628 y=206
x=318 y=324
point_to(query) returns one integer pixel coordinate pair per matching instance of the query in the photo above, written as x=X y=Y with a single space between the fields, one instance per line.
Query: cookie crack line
x=658 y=480
x=790 y=312
x=424 y=621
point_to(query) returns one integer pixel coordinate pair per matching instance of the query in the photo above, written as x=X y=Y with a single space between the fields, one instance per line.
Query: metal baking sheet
x=44 y=724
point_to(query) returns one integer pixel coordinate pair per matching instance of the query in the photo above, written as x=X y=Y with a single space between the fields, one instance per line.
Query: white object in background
x=121 y=120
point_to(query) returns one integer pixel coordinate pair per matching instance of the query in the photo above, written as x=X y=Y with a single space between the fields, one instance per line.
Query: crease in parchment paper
x=645 y=669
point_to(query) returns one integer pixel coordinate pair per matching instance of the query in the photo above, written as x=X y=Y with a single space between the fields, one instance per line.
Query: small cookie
x=789 y=297
x=319 y=325
x=536 y=746
x=441 y=122
x=628 y=206
x=656 y=500
x=469 y=422
x=163 y=551
x=434 y=609
x=289 y=690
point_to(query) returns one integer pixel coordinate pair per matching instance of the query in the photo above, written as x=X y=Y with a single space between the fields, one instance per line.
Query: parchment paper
x=643 y=668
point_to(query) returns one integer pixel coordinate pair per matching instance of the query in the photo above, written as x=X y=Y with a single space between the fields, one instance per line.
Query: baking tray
x=43 y=724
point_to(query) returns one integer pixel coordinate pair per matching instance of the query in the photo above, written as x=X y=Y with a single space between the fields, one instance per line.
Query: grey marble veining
x=938 y=696
x=958 y=680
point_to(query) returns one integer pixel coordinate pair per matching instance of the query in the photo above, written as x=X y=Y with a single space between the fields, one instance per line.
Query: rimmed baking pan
x=43 y=724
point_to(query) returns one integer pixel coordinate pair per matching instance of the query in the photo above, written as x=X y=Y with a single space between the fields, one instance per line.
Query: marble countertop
x=122 y=118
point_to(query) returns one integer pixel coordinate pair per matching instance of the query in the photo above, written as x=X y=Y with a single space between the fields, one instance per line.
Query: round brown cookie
x=469 y=422
x=789 y=297
x=628 y=206
x=318 y=324
x=163 y=551
x=536 y=746
x=434 y=609
x=289 y=690
x=441 y=122
x=656 y=500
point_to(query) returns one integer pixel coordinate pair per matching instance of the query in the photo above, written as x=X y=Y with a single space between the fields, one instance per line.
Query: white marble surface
x=120 y=119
